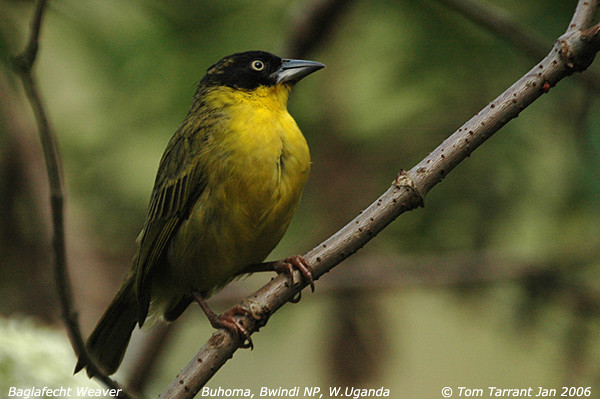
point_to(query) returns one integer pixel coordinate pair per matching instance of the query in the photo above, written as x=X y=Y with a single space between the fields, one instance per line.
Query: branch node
x=259 y=313
x=592 y=37
x=403 y=180
x=578 y=48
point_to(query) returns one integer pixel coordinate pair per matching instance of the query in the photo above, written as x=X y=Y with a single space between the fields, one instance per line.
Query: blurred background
x=494 y=283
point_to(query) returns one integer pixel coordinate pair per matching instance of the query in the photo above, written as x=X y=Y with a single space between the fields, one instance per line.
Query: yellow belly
x=258 y=163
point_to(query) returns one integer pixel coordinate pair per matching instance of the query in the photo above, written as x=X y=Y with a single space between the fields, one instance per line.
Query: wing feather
x=178 y=184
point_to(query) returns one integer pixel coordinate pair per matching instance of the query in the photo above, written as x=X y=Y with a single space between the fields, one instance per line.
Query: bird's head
x=252 y=69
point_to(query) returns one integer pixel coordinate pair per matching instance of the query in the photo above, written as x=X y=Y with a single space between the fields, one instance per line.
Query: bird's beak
x=294 y=70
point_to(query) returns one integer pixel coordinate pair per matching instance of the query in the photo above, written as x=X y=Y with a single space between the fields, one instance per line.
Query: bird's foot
x=228 y=321
x=287 y=265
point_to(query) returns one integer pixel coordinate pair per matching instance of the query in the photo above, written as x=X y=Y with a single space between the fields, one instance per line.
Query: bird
x=227 y=186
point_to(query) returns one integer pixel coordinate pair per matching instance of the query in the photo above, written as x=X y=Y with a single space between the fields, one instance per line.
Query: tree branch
x=24 y=62
x=494 y=19
x=530 y=44
x=583 y=15
x=23 y=65
x=572 y=52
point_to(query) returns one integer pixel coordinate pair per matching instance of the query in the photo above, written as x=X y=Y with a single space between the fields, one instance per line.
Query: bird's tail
x=109 y=340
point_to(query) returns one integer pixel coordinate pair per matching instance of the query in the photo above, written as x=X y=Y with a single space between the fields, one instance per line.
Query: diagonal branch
x=572 y=52
x=500 y=23
x=528 y=42
x=583 y=15
x=23 y=65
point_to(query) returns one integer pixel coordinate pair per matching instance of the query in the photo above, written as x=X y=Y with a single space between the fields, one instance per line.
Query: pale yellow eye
x=257 y=65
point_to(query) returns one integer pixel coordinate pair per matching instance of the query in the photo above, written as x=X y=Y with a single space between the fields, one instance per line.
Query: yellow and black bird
x=226 y=188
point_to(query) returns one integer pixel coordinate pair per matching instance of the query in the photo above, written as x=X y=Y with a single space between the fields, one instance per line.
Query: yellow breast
x=258 y=163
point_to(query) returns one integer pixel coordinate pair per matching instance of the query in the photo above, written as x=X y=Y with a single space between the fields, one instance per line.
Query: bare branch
x=583 y=15
x=497 y=21
x=24 y=62
x=573 y=52
x=23 y=66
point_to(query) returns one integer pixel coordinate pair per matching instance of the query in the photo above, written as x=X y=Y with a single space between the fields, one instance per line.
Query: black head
x=252 y=69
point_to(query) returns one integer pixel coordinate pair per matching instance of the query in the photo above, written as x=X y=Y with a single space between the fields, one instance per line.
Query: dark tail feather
x=109 y=340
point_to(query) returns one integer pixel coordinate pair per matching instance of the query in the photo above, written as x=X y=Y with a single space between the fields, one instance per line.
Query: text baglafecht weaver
x=226 y=188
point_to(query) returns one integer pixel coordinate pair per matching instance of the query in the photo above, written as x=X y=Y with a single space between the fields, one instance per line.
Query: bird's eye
x=257 y=65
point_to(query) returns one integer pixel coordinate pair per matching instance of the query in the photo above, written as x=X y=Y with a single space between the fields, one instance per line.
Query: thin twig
x=26 y=59
x=573 y=52
x=531 y=44
x=23 y=66
x=502 y=24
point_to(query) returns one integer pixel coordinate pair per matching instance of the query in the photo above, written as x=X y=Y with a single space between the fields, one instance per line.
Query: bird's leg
x=227 y=320
x=286 y=266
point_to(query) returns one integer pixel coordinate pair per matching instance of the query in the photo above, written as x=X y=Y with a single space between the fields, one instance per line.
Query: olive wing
x=178 y=184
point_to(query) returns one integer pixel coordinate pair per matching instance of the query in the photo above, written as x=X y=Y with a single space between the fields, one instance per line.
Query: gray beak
x=294 y=70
